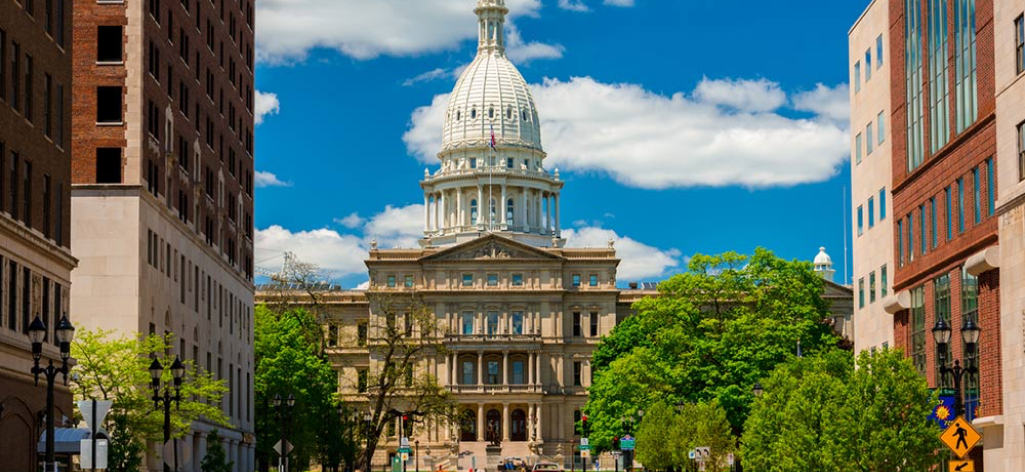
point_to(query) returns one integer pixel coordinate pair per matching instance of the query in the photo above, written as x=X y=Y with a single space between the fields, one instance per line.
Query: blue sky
x=680 y=126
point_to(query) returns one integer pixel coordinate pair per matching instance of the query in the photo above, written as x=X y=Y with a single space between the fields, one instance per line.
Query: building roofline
x=863 y=14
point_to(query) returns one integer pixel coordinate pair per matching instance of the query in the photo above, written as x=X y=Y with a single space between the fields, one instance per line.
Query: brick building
x=942 y=176
x=162 y=195
x=35 y=191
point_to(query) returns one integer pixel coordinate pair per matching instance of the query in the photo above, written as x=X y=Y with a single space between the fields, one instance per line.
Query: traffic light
x=615 y=443
x=584 y=426
x=407 y=425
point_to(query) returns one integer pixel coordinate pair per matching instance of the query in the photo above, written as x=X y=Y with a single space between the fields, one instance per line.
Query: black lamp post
x=628 y=422
x=284 y=407
x=65 y=333
x=416 y=455
x=177 y=372
x=757 y=390
x=367 y=419
x=970 y=332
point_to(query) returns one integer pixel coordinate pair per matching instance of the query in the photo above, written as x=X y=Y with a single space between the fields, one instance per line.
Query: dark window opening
x=108 y=165
x=108 y=104
x=109 y=43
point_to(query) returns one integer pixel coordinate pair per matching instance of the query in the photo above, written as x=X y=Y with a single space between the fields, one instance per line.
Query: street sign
x=960 y=437
x=405 y=450
x=585 y=453
x=627 y=443
x=691 y=454
x=169 y=451
x=405 y=456
x=288 y=447
x=404 y=442
x=585 y=447
x=86 y=455
x=962 y=466
x=98 y=407
x=585 y=441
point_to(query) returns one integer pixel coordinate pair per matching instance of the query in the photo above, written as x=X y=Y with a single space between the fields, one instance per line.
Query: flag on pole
x=493 y=143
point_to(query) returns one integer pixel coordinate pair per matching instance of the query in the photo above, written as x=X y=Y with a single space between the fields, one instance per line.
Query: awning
x=66 y=440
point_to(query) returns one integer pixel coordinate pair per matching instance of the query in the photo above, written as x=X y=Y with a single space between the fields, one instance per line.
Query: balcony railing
x=479 y=338
x=495 y=389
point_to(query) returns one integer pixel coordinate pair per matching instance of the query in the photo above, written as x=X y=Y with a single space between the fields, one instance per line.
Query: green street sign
x=627 y=443
x=405 y=450
x=585 y=447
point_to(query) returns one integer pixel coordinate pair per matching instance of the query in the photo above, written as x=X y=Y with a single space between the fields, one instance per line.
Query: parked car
x=546 y=467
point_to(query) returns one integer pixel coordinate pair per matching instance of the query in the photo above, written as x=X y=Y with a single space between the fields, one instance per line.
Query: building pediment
x=492 y=248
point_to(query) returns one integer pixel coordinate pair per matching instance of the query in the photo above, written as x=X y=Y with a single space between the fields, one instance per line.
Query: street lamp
x=367 y=421
x=284 y=407
x=156 y=371
x=65 y=332
x=970 y=332
x=416 y=455
x=757 y=390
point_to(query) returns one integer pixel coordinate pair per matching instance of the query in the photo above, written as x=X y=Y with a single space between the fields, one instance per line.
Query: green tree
x=215 y=459
x=654 y=447
x=289 y=362
x=116 y=369
x=709 y=335
x=819 y=413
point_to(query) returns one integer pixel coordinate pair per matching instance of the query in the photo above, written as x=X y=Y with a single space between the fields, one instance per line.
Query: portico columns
x=548 y=213
x=539 y=430
x=504 y=207
x=480 y=369
x=530 y=368
x=480 y=205
x=480 y=422
x=505 y=422
x=427 y=213
x=523 y=210
x=505 y=367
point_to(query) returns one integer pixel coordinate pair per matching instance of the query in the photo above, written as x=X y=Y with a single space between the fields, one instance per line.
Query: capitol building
x=521 y=312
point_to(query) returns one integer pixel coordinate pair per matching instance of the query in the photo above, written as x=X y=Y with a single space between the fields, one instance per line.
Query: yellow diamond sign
x=960 y=437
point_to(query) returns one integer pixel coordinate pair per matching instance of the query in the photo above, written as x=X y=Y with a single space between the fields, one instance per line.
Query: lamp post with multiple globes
x=156 y=371
x=970 y=332
x=65 y=332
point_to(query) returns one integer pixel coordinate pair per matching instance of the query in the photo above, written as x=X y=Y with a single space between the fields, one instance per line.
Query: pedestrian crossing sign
x=960 y=437
x=962 y=466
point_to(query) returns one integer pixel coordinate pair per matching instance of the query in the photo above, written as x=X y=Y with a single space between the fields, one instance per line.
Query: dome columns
x=477 y=206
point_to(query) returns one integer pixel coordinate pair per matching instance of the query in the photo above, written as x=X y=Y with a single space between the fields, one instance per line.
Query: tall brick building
x=162 y=196
x=942 y=176
x=35 y=191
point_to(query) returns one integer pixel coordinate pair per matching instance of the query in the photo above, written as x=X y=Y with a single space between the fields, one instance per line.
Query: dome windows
x=491 y=112
x=508 y=113
x=459 y=115
x=523 y=113
x=473 y=113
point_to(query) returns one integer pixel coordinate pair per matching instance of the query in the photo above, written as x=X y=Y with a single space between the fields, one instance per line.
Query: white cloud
x=648 y=140
x=339 y=254
x=428 y=76
x=266 y=104
x=619 y=3
x=833 y=103
x=638 y=260
x=574 y=5
x=352 y=221
x=397 y=226
x=522 y=52
x=266 y=179
x=365 y=29
x=745 y=95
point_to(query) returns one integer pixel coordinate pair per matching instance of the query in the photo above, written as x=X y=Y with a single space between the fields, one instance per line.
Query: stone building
x=35 y=213
x=162 y=200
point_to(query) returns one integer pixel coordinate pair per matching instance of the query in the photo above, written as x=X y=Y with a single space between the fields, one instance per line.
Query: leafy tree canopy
x=821 y=414
x=709 y=335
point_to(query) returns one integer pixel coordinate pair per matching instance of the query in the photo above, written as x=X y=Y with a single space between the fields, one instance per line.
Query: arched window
x=491 y=112
x=519 y=425
x=523 y=113
x=473 y=211
x=508 y=113
x=509 y=211
x=473 y=114
x=459 y=115
x=493 y=427
x=468 y=426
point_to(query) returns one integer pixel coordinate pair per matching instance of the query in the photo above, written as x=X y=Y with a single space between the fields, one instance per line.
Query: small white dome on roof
x=822 y=258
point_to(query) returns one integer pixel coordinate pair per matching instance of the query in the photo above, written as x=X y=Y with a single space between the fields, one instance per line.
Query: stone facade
x=871 y=177
x=35 y=212
x=163 y=188
x=520 y=324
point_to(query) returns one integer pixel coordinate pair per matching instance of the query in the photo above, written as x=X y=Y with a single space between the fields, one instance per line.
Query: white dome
x=823 y=259
x=491 y=94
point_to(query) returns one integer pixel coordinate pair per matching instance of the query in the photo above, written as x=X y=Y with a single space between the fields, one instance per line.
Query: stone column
x=530 y=368
x=504 y=207
x=505 y=367
x=537 y=372
x=540 y=433
x=427 y=213
x=480 y=368
x=200 y=451
x=480 y=422
x=451 y=369
x=481 y=207
x=523 y=210
x=233 y=455
x=459 y=209
x=505 y=422
x=558 y=225
x=548 y=213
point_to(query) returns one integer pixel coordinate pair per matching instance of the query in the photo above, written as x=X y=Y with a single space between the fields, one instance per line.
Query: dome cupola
x=492 y=177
